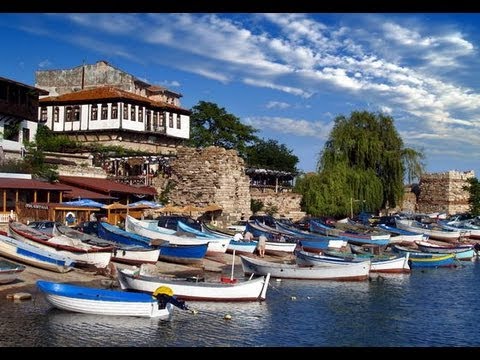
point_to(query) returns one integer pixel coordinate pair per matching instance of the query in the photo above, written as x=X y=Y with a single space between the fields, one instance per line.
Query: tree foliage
x=363 y=163
x=473 y=188
x=269 y=154
x=211 y=125
x=256 y=205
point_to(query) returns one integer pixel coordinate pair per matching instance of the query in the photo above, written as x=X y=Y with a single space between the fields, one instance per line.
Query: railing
x=5 y=217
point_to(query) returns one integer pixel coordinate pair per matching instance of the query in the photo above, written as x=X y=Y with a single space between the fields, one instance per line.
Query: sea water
x=427 y=308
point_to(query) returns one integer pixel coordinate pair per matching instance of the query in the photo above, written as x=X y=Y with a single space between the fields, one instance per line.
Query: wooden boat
x=180 y=254
x=33 y=255
x=420 y=259
x=9 y=271
x=384 y=264
x=82 y=254
x=353 y=234
x=106 y=302
x=401 y=236
x=156 y=235
x=352 y=272
x=240 y=247
x=122 y=253
x=447 y=248
x=433 y=233
x=192 y=289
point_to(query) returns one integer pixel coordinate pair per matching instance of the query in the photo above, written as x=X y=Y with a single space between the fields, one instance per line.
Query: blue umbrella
x=147 y=203
x=84 y=202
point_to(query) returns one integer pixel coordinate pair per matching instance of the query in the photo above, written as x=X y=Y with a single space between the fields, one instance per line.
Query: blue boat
x=179 y=254
x=87 y=300
x=420 y=259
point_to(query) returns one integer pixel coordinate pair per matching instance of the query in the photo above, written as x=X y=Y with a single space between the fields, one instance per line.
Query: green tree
x=473 y=188
x=363 y=161
x=256 y=205
x=211 y=125
x=269 y=154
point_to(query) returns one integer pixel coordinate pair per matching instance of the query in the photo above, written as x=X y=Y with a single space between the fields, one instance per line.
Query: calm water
x=438 y=307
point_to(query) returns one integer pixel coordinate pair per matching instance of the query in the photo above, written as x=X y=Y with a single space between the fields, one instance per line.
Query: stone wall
x=443 y=192
x=211 y=175
x=287 y=203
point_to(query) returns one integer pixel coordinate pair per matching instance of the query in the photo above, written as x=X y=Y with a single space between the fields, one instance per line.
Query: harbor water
x=429 y=308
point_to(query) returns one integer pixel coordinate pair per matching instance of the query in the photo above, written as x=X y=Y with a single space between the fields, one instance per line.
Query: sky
x=289 y=75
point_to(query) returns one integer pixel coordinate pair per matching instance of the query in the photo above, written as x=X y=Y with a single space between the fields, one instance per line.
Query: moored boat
x=109 y=302
x=192 y=289
x=9 y=271
x=352 y=272
x=33 y=255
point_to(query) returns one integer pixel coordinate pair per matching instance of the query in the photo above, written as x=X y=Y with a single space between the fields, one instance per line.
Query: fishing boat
x=227 y=289
x=180 y=254
x=33 y=255
x=83 y=254
x=352 y=272
x=437 y=233
x=122 y=253
x=9 y=271
x=88 y=300
x=158 y=234
x=419 y=259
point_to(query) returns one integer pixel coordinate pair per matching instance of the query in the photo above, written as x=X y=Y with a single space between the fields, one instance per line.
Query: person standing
x=262 y=242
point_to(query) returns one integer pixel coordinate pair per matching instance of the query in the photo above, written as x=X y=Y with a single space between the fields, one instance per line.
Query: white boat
x=104 y=302
x=82 y=254
x=33 y=255
x=385 y=265
x=141 y=228
x=192 y=289
x=9 y=271
x=438 y=234
x=127 y=254
x=352 y=272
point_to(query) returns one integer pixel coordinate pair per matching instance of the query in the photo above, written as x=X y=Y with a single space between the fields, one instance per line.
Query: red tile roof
x=105 y=186
x=76 y=193
x=105 y=93
x=11 y=183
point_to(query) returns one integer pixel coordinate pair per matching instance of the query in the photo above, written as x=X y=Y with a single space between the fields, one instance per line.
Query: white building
x=116 y=117
x=18 y=115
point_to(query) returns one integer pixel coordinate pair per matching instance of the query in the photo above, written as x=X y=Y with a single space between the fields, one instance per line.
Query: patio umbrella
x=169 y=209
x=212 y=207
x=85 y=202
x=190 y=209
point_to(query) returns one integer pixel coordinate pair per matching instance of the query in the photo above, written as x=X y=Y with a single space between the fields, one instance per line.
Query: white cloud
x=277 y=104
x=166 y=83
x=44 y=64
x=316 y=129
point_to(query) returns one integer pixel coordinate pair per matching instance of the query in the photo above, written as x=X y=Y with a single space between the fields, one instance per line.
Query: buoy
x=294 y=298
x=278 y=280
x=308 y=297
x=227 y=317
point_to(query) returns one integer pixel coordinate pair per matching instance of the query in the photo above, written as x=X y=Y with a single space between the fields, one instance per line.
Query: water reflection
x=426 y=308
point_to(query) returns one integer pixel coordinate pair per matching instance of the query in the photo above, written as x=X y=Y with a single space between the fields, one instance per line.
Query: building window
x=56 y=114
x=104 y=112
x=170 y=120
x=94 y=114
x=68 y=113
x=43 y=114
x=161 y=119
x=125 y=111
x=114 y=111
x=179 y=123
x=25 y=135
x=11 y=131
x=140 y=114
x=76 y=113
x=132 y=112
x=155 y=120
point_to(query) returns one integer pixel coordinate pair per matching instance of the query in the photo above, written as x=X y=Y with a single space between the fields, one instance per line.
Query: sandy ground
x=213 y=267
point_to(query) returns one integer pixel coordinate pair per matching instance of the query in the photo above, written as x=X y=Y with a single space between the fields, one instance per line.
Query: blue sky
x=288 y=75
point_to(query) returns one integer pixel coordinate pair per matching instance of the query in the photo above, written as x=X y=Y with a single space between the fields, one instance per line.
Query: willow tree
x=371 y=153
